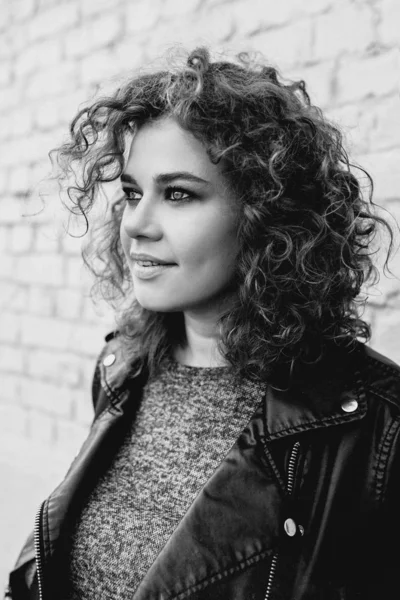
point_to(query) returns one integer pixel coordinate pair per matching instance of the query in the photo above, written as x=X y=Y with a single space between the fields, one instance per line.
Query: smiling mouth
x=150 y=263
x=147 y=269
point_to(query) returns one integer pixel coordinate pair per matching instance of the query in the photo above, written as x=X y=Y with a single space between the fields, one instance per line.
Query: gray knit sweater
x=188 y=420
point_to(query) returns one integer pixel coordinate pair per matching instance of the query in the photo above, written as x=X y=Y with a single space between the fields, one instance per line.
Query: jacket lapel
x=234 y=520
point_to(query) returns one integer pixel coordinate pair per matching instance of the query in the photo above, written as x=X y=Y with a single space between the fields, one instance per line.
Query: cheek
x=125 y=240
x=209 y=242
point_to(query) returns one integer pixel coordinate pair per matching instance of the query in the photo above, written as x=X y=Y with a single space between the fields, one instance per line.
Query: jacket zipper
x=38 y=556
x=289 y=486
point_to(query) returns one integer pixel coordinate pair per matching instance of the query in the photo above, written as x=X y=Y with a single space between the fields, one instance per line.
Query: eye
x=178 y=194
x=132 y=195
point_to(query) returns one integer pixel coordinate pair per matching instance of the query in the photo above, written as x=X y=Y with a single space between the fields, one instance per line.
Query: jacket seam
x=221 y=575
x=339 y=419
x=382 y=397
x=389 y=368
x=383 y=457
x=383 y=461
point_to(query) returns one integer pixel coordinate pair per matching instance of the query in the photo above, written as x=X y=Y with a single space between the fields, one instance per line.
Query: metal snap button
x=109 y=360
x=290 y=527
x=301 y=530
x=350 y=406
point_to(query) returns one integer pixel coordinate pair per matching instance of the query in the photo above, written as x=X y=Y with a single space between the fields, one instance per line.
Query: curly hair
x=305 y=230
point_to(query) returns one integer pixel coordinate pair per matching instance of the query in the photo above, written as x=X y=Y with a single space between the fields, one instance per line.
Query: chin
x=157 y=305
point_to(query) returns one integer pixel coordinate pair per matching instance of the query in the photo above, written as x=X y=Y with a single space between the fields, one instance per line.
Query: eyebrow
x=165 y=178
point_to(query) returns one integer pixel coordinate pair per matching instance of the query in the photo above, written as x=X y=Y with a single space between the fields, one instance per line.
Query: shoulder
x=381 y=376
x=111 y=372
x=114 y=372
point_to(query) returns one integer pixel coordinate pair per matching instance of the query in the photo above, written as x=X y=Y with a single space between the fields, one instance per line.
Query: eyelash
x=169 y=190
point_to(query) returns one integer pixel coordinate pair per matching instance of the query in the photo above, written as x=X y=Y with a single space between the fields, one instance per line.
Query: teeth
x=147 y=263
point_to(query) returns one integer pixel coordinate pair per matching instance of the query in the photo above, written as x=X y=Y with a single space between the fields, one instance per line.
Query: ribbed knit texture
x=187 y=422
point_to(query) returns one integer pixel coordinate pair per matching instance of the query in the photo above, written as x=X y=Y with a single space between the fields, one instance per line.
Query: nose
x=141 y=219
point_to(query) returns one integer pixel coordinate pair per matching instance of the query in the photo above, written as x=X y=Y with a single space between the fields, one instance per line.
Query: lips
x=148 y=260
x=152 y=270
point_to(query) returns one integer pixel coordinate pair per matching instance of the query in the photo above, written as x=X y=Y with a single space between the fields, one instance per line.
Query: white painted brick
x=278 y=51
x=97 y=311
x=5 y=46
x=7 y=267
x=384 y=168
x=71 y=245
x=176 y=8
x=128 y=55
x=5 y=128
x=76 y=274
x=70 y=436
x=4 y=237
x=21 y=238
x=40 y=269
x=315 y=6
x=354 y=121
x=87 y=339
x=94 y=34
x=40 y=301
x=386 y=119
x=18 y=37
x=6 y=71
x=54 y=20
x=257 y=17
x=46 y=332
x=389 y=24
x=83 y=406
x=19 y=180
x=21 y=121
x=47 y=239
x=20 y=299
x=10 y=326
x=50 y=398
x=349 y=28
x=3 y=186
x=42 y=427
x=13 y=419
x=13 y=296
x=71 y=103
x=10 y=388
x=90 y=8
x=97 y=67
x=387 y=290
x=52 y=81
x=11 y=358
x=48 y=114
x=386 y=334
x=29 y=149
x=69 y=303
x=142 y=15
x=5 y=15
x=56 y=367
x=22 y=9
x=318 y=79
x=37 y=56
x=9 y=96
x=372 y=76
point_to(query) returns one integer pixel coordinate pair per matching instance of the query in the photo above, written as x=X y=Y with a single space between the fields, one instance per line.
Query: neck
x=201 y=347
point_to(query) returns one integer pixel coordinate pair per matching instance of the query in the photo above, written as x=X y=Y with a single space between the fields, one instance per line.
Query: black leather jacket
x=306 y=505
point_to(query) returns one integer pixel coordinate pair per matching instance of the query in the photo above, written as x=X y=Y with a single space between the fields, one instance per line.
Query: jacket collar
x=329 y=393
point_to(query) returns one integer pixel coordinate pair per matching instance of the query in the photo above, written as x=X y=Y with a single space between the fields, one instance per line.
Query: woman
x=246 y=442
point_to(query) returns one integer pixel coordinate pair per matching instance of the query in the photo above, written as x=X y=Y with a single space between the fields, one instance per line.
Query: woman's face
x=178 y=211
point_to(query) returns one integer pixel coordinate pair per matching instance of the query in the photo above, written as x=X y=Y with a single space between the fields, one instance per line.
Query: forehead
x=163 y=146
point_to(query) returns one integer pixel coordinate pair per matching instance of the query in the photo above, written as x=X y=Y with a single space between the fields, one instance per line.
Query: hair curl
x=305 y=230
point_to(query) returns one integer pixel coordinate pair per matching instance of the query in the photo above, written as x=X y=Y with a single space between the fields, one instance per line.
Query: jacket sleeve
x=22 y=583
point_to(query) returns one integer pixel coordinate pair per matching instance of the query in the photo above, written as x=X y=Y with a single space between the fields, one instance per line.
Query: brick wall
x=54 y=54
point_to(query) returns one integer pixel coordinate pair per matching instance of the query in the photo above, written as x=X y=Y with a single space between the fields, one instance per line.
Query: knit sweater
x=188 y=420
